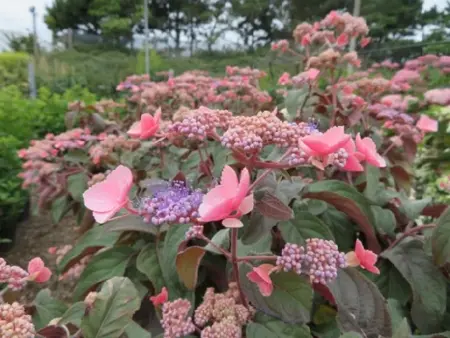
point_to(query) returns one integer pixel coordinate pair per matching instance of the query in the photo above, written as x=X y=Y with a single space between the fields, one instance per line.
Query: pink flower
x=328 y=142
x=366 y=259
x=37 y=270
x=312 y=73
x=367 y=147
x=342 y=40
x=52 y=250
x=261 y=277
x=364 y=42
x=107 y=197
x=353 y=157
x=146 y=127
x=427 y=124
x=160 y=298
x=228 y=201
x=284 y=79
x=306 y=40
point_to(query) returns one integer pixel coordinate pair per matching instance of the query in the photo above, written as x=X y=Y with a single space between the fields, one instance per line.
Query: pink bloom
x=228 y=201
x=160 y=298
x=342 y=40
x=52 y=250
x=312 y=73
x=306 y=40
x=353 y=158
x=37 y=270
x=367 y=147
x=261 y=277
x=364 y=42
x=366 y=259
x=427 y=124
x=328 y=142
x=147 y=127
x=284 y=79
x=106 y=198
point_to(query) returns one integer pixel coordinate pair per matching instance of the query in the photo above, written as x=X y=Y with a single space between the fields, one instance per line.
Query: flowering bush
x=211 y=218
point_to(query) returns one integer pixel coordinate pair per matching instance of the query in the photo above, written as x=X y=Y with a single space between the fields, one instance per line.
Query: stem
x=392 y=145
x=130 y=209
x=215 y=246
x=234 y=261
x=409 y=233
x=254 y=258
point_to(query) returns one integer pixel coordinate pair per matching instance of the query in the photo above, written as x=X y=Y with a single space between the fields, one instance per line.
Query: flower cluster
x=175 y=320
x=222 y=314
x=14 y=276
x=75 y=271
x=319 y=259
x=14 y=322
x=174 y=202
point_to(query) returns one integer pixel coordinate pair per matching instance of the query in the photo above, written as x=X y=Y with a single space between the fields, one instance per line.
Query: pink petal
x=158 y=115
x=44 y=275
x=232 y=223
x=373 y=269
x=101 y=197
x=359 y=250
x=135 y=130
x=265 y=289
x=313 y=73
x=370 y=258
x=246 y=205
x=124 y=180
x=35 y=265
x=103 y=217
x=230 y=179
x=353 y=164
x=427 y=124
x=242 y=189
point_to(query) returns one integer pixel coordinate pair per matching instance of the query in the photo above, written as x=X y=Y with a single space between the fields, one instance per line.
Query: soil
x=33 y=238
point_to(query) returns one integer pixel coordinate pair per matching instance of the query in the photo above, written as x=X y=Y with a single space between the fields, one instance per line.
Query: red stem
x=409 y=233
x=254 y=258
x=222 y=250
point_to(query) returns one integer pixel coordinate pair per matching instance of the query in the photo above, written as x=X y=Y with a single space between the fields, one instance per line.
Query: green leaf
x=187 y=264
x=73 y=315
x=287 y=190
x=95 y=237
x=157 y=263
x=385 y=221
x=134 y=330
x=403 y=330
x=258 y=225
x=304 y=225
x=77 y=185
x=290 y=301
x=346 y=199
x=315 y=207
x=267 y=327
x=398 y=313
x=131 y=223
x=427 y=283
x=361 y=306
x=105 y=265
x=221 y=239
x=114 y=308
x=351 y=335
x=77 y=156
x=372 y=182
x=60 y=207
x=391 y=283
x=341 y=227
x=412 y=208
x=293 y=101
x=261 y=246
x=47 y=308
x=441 y=239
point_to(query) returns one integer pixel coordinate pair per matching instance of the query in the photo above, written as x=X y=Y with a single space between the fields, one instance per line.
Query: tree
x=20 y=43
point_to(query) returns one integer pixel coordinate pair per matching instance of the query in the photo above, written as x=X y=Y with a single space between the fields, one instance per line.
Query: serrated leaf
x=361 y=306
x=60 y=207
x=441 y=239
x=385 y=221
x=372 y=182
x=77 y=185
x=77 y=156
x=222 y=239
x=158 y=263
x=114 y=308
x=105 y=265
x=391 y=283
x=134 y=330
x=290 y=301
x=95 y=237
x=47 y=308
x=187 y=263
x=131 y=223
x=427 y=283
x=267 y=327
x=413 y=208
x=304 y=226
x=287 y=190
x=346 y=199
x=397 y=311
x=342 y=228
x=73 y=315
x=258 y=225
x=293 y=101
x=271 y=206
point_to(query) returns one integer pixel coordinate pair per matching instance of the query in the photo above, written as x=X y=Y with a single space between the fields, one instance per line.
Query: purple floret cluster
x=174 y=203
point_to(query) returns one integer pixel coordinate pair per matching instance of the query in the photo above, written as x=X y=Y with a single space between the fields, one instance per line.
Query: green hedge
x=14 y=69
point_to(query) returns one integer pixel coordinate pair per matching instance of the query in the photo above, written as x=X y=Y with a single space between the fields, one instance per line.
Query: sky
x=15 y=16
